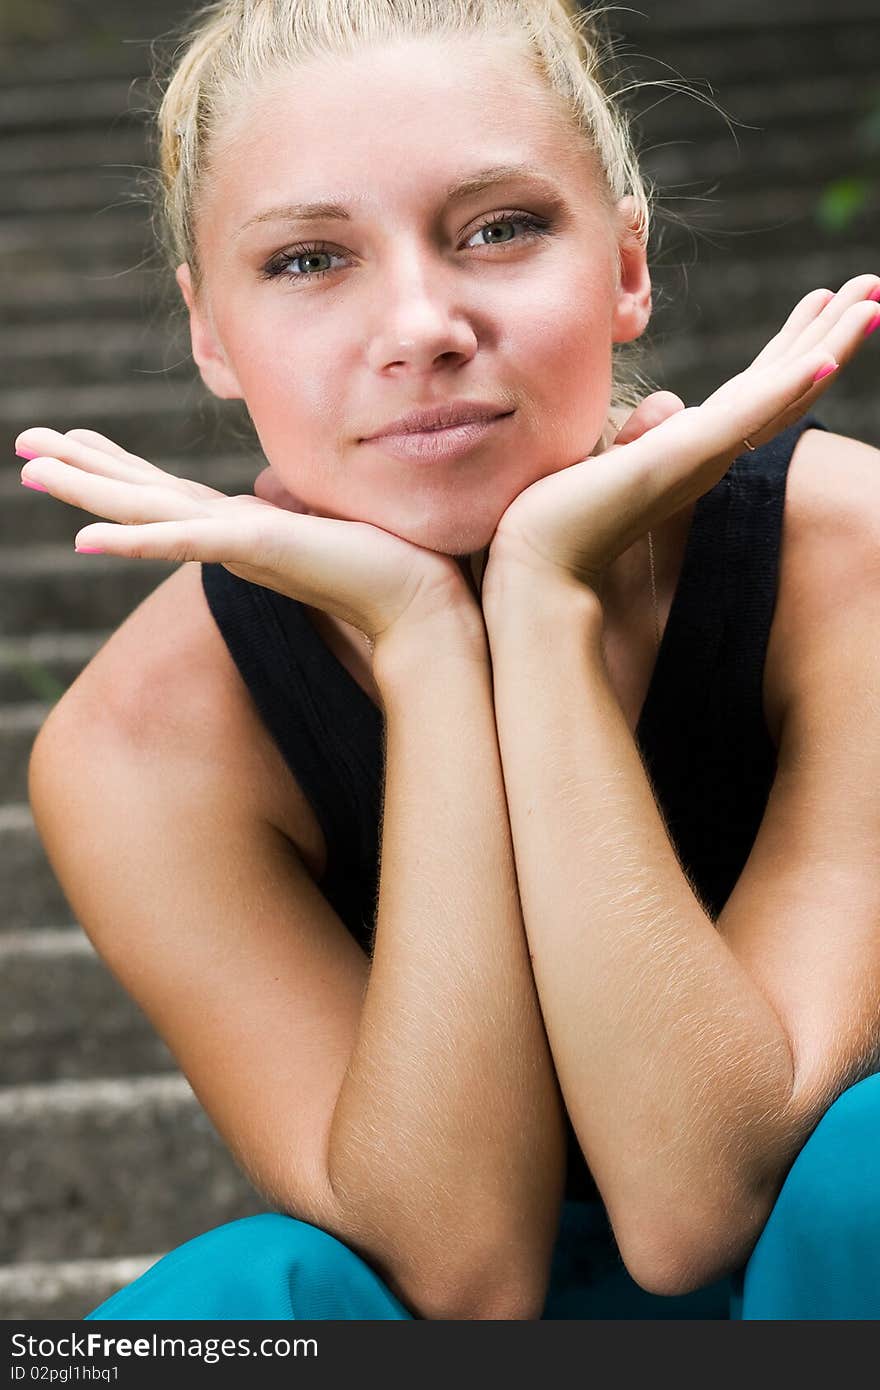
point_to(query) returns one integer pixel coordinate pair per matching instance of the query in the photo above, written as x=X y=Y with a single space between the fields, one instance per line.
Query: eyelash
x=275 y=268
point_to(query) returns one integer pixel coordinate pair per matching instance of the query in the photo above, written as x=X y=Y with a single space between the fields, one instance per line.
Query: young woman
x=485 y=813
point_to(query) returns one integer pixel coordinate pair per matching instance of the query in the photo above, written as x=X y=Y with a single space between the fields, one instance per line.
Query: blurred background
x=109 y=1160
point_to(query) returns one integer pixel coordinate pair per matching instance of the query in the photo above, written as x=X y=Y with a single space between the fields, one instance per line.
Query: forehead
x=387 y=121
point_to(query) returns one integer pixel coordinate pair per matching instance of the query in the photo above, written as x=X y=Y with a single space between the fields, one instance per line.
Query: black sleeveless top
x=701 y=733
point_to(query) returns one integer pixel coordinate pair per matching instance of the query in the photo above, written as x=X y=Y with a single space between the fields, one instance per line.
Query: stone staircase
x=109 y=1160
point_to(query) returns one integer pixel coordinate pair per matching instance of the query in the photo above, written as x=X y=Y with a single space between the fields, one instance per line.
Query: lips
x=440 y=417
x=448 y=444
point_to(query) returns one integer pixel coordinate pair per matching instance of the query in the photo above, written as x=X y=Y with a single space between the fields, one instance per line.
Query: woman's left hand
x=572 y=524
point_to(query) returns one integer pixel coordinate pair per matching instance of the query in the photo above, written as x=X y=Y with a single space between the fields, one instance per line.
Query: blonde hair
x=226 y=50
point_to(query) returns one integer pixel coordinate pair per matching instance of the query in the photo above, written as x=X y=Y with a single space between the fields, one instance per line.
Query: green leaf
x=841 y=201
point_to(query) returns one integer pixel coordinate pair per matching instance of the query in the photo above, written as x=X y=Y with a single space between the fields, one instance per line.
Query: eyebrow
x=456 y=192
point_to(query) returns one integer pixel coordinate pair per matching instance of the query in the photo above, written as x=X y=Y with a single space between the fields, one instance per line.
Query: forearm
x=447 y=1144
x=671 y=1061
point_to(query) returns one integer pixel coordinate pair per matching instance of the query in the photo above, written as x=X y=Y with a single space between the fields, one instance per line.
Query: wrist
x=441 y=626
x=518 y=588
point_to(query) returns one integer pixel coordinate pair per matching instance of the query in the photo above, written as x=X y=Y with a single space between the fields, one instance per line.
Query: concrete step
x=114 y=149
x=27 y=27
x=19 y=726
x=67 y=103
x=79 y=190
x=717 y=16
x=817 y=43
x=36 y=1290
x=40 y=666
x=47 y=587
x=29 y=890
x=100 y=239
x=40 y=297
x=85 y=351
x=150 y=417
x=101 y=1168
x=65 y=1017
x=734 y=168
x=80 y=50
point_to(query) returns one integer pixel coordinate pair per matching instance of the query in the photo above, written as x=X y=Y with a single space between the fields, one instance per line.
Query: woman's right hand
x=353 y=570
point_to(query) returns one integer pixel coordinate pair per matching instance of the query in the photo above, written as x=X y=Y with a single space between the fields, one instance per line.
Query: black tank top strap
x=703 y=735
x=328 y=730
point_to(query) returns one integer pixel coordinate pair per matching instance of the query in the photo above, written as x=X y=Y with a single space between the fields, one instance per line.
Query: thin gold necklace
x=654 y=590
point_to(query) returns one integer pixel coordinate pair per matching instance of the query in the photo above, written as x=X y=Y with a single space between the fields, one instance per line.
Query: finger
x=292 y=554
x=679 y=460
x=862 y=290
x=47 y=443
x=120 y=499
x=843 y=342
x=83 y=461
x=650 y=413
x=846 y=335
x=97 y=441
x=805 y=312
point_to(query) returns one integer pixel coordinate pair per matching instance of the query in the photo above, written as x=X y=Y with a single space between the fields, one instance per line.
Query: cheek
x=566 y=363
x=293 y=399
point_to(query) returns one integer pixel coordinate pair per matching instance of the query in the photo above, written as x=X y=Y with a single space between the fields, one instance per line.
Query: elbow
x=437 y=1284
x=53 y=748
x=505 y=1278
x=487 y=1296
x=682 y=1264
x=484 y=1289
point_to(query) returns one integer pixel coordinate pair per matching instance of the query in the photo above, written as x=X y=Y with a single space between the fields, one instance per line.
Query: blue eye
x=280 y=264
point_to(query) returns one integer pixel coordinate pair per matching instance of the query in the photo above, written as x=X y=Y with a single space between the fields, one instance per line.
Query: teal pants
x=818 y=1256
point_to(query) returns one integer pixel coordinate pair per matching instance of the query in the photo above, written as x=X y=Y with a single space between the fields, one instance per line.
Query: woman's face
x=506 y=293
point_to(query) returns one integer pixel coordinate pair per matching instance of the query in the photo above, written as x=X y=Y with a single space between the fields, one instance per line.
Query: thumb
x=649 y=413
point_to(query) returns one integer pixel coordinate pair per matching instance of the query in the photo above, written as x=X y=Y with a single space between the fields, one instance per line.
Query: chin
x=461 y=537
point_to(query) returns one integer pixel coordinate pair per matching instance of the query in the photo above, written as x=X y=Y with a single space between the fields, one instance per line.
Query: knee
x=817 y=1256
x=831 y=1190
x=263 y=1266
x=278 y=1241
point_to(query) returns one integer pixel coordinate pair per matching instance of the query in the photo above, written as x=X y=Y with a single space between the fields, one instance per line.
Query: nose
x=421 y=320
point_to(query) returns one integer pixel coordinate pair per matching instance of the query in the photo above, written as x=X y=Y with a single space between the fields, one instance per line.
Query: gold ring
x=749 y=445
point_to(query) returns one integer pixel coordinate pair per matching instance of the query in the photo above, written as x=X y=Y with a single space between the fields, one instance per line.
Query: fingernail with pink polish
x=26 y=453
x=826 y=370
x=875 y=323
x=29 y=482
x=875 y=293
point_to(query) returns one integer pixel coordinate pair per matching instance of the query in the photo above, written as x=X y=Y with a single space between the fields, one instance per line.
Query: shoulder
x=166 y=684
x=836 y=479
x=829 y=567
x=832 y=521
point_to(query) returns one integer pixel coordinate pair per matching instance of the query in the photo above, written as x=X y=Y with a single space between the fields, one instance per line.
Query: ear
x=207 y=351
x=633 y=308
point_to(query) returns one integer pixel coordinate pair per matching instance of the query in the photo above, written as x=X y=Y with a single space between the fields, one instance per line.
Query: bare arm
x=447 y=1146
x=672 y=1061
x=447 y=1134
